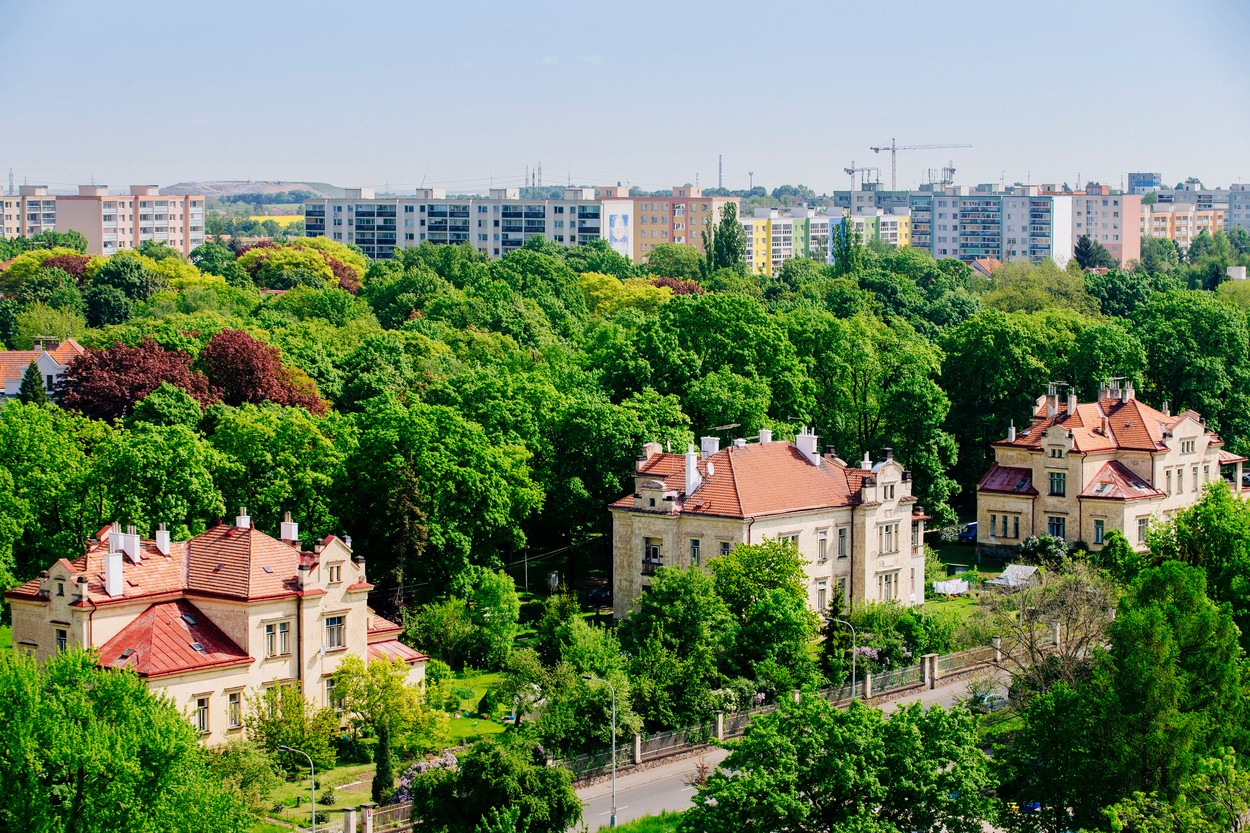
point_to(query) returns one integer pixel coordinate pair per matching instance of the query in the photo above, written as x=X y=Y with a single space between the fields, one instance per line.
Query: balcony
x=650 y=565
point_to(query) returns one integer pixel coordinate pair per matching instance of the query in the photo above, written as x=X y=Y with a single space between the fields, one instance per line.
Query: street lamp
x=312 y=789
x=854 y=639
x=588 y=678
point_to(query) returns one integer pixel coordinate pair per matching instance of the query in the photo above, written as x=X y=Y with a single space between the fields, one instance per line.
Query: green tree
x=91 y=749
x=810 y=766
x=1216 y=799
x=494 y=775
x=280 y=716
x=107 y=305
x=725 y=243
x=675 y=260
x=244 y=768
x=444 y=629
x=169 y=405
x=32 y=391
x=127 y=271
x=750 y=571
x=39 y=320
x=1091 y=254
x=1102 y=351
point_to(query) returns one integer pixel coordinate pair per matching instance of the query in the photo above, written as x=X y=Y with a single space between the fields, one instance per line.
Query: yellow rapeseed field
x=282 y=219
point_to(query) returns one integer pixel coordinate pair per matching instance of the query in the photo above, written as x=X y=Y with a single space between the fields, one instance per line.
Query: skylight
x=189 y=619
x=267 y=569
x=195 y=646
x=126 y=653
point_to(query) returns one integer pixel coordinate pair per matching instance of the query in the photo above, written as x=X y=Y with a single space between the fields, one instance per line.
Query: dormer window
x=60 y=588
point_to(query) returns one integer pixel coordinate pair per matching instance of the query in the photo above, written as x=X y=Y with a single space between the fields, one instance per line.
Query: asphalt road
x=667 y=786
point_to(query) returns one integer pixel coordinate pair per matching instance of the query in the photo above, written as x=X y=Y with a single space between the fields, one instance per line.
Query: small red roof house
x=209 y=620
x=858 y=529
x=50 y=355
x=1082 y=469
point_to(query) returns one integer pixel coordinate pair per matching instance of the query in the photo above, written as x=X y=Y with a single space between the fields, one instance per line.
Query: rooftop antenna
x=12 y=190
x=720 y=170
x=540 y=174
x=751 y=180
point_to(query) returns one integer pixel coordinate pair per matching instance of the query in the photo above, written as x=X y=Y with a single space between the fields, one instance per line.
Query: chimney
x=693 y=480
x=242 y=521
x=709 y=446
x=82 y=588
x=1011 y=432
x=808 y=445
x=1128 y=391
x=129 y=544
x=1167 y=408
x=288 y=530
x=113 y=571
x=1104 y=427
x=740 y=442
x=162 y=540
x=648 y=451
x=866 y=465
x=301 y=575
x=347 y=541
x=1071 y=402
x=889 y=454
x=1052 y=405
x=766 y=436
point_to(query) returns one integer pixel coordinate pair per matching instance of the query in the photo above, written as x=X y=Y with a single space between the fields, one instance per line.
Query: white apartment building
x=1018 y=224
x=494 y=225
x=1238 y=215
x=110 y=222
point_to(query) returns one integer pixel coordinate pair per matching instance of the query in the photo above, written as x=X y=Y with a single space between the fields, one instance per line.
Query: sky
x=647 y=93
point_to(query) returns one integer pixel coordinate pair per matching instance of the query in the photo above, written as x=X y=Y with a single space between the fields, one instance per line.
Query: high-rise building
x=681 y=217
x=1238 y=207
x=1021 y=223
x=1180 y=222
x=110 y=222
x=1143 y=183
x=1112 y=219
x=494 y=225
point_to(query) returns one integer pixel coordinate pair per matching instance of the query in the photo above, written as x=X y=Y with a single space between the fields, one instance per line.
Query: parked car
x=968 y=535
x=985 y=703
x=600 y=597
x=1245 y=480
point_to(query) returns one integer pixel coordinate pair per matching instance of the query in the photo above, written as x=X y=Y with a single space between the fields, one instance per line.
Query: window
x=201 y=715
x=1056 y=525
x=822 y=593
x=842 y=536
x=277 y=639
x=887 y=586
x=888 y=492
x=1057 y=453
x=1180 y=480
x=1099 y=527
x=822 y=545
x=1142 y=525
x=994 y=526
x=694 y=552
x=724 y=548
x=60 y=588
x=234 y=709
x=336 y=573
x=1168 y=475
x=336 y=631
x=1195 y=486
x=332 y=700
x=887 y=538
x=1058 y=483
x=62 y=640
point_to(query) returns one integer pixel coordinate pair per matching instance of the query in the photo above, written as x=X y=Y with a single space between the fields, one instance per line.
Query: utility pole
x=751 y=180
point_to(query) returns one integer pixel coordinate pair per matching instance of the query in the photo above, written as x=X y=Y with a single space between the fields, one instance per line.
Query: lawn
x=663 y=823
x=6 y=637
x=352 y=787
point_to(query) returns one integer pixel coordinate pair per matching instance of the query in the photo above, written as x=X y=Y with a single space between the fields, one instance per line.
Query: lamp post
x=312 y=788
x=590 y=679
x=854 y=639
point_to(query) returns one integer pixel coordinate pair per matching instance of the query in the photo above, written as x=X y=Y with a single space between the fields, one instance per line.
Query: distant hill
x=231 y=187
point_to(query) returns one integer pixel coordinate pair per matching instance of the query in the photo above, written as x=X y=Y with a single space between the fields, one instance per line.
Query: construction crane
x=854 y=170
x=894 y=148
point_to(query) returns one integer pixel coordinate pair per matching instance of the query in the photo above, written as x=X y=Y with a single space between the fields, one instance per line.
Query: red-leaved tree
x=106 y=384
x=73 y=265
x=347 y=277
x=247 y=370
x=679 y=286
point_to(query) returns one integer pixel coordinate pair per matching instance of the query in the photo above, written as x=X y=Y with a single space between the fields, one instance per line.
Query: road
x=666 y=787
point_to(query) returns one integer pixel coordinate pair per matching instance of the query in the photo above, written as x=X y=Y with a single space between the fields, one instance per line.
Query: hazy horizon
x=402 y=94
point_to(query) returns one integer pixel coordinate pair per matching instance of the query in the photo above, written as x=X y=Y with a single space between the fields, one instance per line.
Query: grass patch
x=961 y=608
x=347 y=793
x=468 y=729
x=665 y=822
x=266 y=826
x=6 y=637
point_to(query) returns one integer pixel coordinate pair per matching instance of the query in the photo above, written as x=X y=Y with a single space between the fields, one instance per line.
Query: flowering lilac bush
x=404 y=792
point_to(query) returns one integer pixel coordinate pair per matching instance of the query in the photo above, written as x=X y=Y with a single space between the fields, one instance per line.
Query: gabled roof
x=752 y=480
x=380 y=629
x=1009 y=480
x=1130 y=425
x=1115 y=481
x=171 y=638
x=13 y=363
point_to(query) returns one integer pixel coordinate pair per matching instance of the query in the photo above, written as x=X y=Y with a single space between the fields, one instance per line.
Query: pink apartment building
x=112 y=222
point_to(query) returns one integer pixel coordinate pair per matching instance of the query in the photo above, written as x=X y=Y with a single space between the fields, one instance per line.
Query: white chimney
x=288 y=530
x=1128 y=391
x=243 y=521
x=1011 y=432
x=693 y=480
x=162 y=540
x=1167 y=408
x=113 y=572
x=1052 y=406
x=347 y=541
x=808 y=445
x=1072 y=402
x=709 y=446
x=766 y=436
x=740 y=442
x=866 y=465
x=129 y=544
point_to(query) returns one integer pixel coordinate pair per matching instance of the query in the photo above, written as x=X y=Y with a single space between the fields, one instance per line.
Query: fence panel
x=665 y=743
x=964 y=659
x=599 y=763
x=394 y=817
x=898 y=678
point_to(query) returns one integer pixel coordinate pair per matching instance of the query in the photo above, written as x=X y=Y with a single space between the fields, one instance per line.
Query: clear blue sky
x=646 y=92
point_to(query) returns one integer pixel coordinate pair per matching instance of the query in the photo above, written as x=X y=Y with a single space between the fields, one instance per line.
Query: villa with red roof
x=210 y=620
x=51 y=356
x=858 y=529
x=1082 y=469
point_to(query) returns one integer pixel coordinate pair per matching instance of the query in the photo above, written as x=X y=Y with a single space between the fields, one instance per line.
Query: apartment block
x=110 y=222
x=1113 y=219
x=1019 y=224
x=774 y=235
x=1180 y=222
x=1238 y=207
x=494 y=225
x=681 y=217
x=32 y=210
x=857 y=528
x=1144 y=182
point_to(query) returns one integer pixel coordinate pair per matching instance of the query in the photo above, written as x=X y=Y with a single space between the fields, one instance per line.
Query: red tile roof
x=1227 y=458
x=162 y=640
x=13 y=363
x=393 y=649
x=753 y=480
x=1129 y=425
x=1008 y=479
x=241 y=562
x=1115 y=481
x=378 y=626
